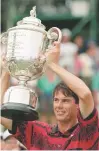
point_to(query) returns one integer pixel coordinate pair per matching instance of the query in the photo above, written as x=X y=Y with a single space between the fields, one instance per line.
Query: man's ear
x=77 y=106
x=34 y=101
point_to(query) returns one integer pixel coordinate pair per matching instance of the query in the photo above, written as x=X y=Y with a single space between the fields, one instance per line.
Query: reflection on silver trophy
x=24 y=44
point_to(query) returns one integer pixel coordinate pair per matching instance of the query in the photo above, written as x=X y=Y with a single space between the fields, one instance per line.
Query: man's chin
x=62 y=119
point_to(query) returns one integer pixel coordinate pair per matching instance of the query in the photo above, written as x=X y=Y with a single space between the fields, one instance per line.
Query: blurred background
x=79 y=23
x=77 y=15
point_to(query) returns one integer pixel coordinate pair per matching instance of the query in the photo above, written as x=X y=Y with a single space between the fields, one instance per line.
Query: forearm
x=7 y=123
x=73 y=82
x=4 y=84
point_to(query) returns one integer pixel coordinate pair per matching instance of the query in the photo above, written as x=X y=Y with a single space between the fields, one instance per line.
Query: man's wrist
x=53 y=66
x=4 y=74
x=50 y=65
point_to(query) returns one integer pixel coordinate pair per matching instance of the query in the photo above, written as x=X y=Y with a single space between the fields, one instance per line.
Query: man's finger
x=56 y=44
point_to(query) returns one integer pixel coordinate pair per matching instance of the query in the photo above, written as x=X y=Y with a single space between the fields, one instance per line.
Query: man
x=88 y=68
x=77 y=124
x=68 y=51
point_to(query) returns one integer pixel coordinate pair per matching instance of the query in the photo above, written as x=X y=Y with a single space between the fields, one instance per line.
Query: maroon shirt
x=37 y=135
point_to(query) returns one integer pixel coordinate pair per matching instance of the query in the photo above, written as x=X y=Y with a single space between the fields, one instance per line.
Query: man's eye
x=65 y=100
x=55 y=99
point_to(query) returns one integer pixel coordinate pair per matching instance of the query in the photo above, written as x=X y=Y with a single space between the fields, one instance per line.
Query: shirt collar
x=55 y=131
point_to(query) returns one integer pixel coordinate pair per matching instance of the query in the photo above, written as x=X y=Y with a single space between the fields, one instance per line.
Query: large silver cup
x=24 y=44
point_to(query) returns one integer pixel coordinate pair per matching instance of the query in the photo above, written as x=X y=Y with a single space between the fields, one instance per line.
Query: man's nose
x=60 y=104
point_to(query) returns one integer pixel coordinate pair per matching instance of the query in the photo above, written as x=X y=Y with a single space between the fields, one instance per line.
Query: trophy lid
x=31 y=19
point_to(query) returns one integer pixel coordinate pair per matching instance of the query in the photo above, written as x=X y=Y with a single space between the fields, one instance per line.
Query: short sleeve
x=28 y=132
x=92 y=118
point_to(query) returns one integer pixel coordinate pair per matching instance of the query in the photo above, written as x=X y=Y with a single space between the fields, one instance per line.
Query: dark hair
x=66 y=91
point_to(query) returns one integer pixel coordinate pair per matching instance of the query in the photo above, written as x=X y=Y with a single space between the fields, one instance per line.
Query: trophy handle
x=4 y=38
x=54 y=34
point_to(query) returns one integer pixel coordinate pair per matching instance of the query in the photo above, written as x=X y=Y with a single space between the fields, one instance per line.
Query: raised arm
x=86 y=103
x=4 y=84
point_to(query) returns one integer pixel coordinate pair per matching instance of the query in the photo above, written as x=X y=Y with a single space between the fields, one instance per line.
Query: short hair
x=66 y=32
x=66 y=91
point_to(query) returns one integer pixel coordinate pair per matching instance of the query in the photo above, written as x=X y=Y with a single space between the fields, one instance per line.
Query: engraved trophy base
x=19 y=112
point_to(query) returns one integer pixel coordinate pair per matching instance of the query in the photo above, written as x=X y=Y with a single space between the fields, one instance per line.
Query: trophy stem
x=22 y=83
x=23 y=80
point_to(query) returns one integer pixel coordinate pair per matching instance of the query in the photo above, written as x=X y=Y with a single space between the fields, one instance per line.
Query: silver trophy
x=24 y=44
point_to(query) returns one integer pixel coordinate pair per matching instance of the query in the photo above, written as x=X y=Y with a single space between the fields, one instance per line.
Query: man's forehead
x=59 y=92
x=62 y=96
x=67 y=98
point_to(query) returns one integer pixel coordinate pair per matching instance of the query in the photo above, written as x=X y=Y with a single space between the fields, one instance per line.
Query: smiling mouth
x=59 y=113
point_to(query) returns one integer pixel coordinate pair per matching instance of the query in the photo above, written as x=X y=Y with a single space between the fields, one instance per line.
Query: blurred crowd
x=78 y=56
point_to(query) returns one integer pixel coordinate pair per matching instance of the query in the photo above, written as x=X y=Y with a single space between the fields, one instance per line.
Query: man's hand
x=52 y=54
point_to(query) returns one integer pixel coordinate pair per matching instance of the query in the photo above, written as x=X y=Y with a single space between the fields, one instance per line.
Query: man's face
x=65 y=108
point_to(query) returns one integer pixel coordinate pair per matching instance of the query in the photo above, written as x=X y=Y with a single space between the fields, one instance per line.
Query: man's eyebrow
x=56 y=98
x=63 y=98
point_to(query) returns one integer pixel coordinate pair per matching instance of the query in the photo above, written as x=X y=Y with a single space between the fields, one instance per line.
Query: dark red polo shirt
x=37 y=135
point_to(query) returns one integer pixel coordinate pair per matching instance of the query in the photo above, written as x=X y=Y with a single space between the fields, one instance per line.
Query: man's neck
x=65 y=126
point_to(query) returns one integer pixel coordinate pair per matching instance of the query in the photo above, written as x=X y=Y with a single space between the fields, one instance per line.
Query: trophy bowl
x=25 y=44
